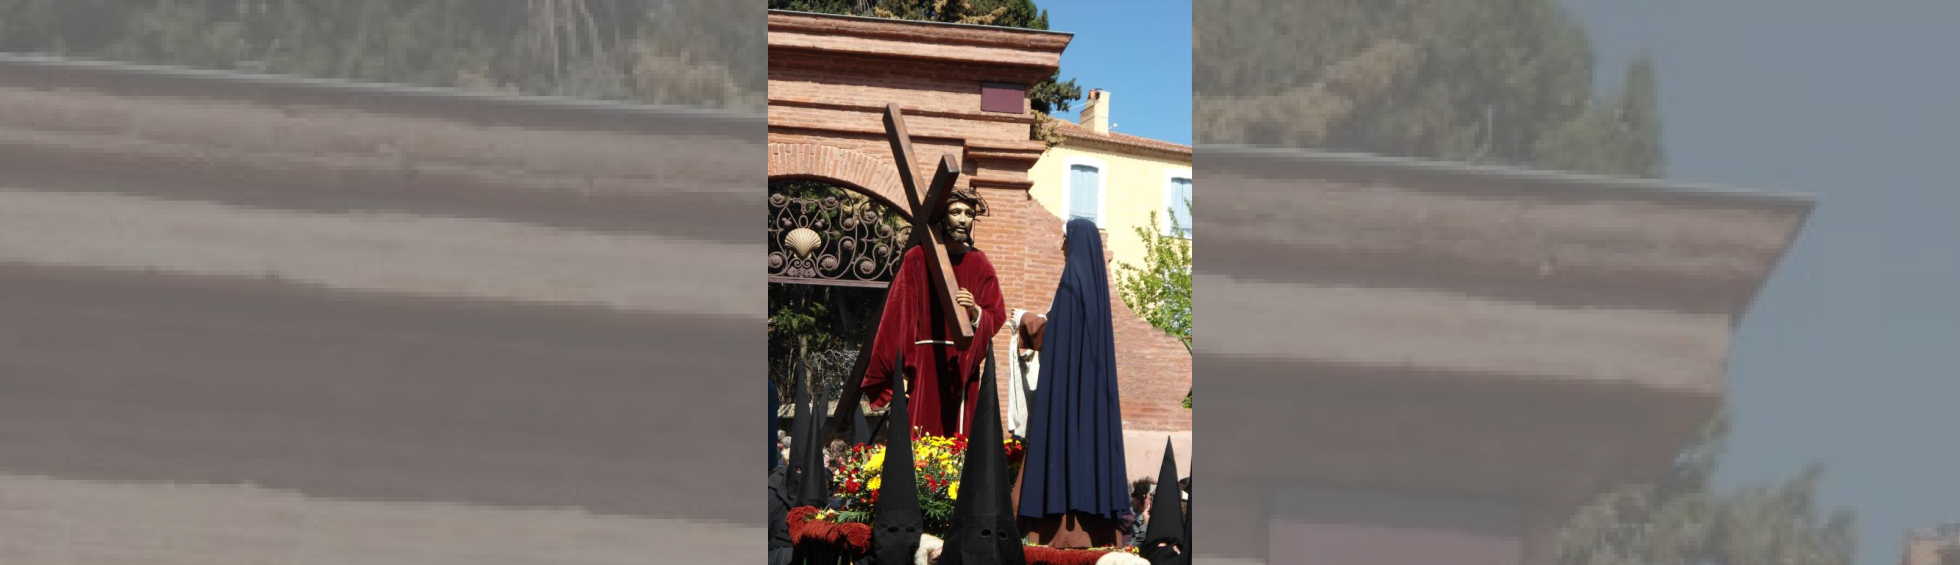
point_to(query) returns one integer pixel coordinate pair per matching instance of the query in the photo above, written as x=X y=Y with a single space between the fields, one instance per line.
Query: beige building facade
x=1115 y=179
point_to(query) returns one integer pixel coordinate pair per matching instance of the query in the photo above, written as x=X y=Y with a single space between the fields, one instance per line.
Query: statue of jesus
x=940 y=375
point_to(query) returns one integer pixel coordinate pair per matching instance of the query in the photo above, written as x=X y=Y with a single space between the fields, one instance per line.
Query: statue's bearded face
x=959 y=222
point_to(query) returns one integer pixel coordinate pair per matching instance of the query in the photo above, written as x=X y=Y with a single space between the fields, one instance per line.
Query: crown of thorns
x=971 y=197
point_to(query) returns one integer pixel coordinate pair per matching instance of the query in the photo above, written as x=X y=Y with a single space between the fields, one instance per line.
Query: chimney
x=1095 y=112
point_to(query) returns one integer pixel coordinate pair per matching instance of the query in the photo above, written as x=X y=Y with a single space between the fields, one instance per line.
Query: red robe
x=940 y=376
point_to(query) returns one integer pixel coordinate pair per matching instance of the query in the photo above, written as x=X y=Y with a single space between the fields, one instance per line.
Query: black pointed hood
x=815 y=488
x=860 y=429
x=983 y=530
x=897 y=521
x=1166 y=516
x=799 y=427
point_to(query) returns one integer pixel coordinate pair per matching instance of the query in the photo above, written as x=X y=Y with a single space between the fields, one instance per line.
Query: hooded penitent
x=1163 y=540
x=1075 y=429
x=814 y=491
x=860 y=429
x=896 y=519
x=983 y=531
x=800 y=401
x=815 y=488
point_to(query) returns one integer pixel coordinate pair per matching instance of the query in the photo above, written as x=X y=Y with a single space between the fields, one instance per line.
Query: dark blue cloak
x=1075 y=427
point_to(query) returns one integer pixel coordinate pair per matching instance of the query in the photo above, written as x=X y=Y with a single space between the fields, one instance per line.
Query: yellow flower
x=877 y=460
x=875 y=481
x=953 y=490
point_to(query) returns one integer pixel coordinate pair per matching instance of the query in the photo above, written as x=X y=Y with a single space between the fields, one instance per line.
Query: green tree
x=821 y=325
x=846 y=7
x=1495 y=81
x=693 y=52
x=1683 y=520
x=1159 y=291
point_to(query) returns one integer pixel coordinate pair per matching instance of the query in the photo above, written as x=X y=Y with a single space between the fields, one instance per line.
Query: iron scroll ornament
x=822 y=232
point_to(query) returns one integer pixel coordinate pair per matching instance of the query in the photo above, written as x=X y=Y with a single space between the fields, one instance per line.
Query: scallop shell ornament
x=802 y=241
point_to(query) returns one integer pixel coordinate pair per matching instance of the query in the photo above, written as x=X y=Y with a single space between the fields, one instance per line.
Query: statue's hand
x=965 y=299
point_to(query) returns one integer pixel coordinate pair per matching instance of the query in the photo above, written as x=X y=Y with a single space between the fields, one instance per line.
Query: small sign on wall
x=1003 y=98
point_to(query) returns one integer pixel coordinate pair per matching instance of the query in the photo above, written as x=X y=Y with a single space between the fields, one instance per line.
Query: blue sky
x=1851 y=356
x=1139 y=51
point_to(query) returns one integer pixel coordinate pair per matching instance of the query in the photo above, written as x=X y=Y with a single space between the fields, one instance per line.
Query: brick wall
x=826 y=98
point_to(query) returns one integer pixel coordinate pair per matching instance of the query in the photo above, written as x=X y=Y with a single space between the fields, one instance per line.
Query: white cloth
x=927 y=545
x=1023 y=370
x=1121 y=558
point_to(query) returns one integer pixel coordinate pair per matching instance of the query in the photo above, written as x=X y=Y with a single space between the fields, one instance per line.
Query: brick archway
x=863 y=172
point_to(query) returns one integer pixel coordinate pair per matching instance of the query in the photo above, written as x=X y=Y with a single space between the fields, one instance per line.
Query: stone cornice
x=1385 y=222
x=791 y=124
x=303 y=127
x=1029 y=151
x=279 y=91
x=271 y=141
x=488 y=197
x=866 y=107
x=1447 y=330
x=1001 y=182
x=1262 y=161
x=1411 y=326
x=1036 y=54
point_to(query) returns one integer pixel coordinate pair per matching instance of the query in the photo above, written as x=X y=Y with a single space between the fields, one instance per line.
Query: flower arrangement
x=936 y=465
x=810 y=525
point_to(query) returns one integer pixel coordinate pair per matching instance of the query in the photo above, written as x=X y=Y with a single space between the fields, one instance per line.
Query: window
x=1082 y=181
x=1084 y=193
x=1177 y=201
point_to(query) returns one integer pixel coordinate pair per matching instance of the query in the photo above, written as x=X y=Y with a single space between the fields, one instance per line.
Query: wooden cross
x=927 y=208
